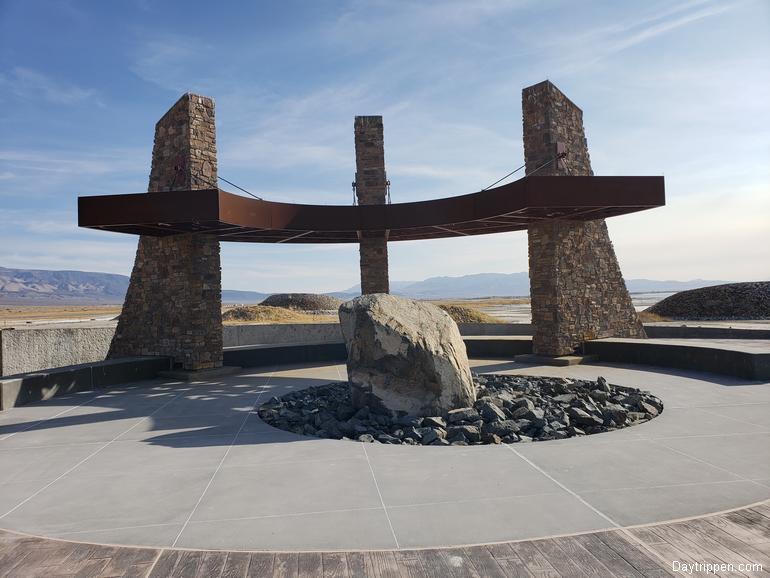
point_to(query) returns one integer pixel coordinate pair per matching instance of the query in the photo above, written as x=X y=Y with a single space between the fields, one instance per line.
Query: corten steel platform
x=510 y=207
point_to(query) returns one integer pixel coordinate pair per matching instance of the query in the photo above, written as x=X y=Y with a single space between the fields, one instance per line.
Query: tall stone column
x=174 y=302
x=576 y=287
x=371 y=189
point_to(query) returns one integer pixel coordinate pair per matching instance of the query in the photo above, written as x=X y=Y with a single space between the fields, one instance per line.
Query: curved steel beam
x=509 y=207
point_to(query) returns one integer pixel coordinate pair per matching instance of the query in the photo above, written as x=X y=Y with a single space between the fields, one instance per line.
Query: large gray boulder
x=405 y=355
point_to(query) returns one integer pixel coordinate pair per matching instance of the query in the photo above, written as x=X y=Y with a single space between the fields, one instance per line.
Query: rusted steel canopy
x=510 y=207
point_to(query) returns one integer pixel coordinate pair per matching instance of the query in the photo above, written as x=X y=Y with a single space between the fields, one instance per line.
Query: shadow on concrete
x=197 y=414
x=714 y=378
x=501 y=366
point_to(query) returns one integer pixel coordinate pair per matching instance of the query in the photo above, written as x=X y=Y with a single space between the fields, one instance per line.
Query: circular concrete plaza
x=192 y=465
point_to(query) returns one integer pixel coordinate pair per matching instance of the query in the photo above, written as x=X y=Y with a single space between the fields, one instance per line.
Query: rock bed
x=720 y=302
x=303 y=301
x=508 y=409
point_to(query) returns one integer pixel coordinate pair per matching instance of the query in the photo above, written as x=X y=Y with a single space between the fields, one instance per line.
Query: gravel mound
x=303 y=301
x=508 y=409
x=260 y=314
x=721 y=302
x=462 y=314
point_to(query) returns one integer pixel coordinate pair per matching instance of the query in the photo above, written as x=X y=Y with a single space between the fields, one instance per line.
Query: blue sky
x=674 y=88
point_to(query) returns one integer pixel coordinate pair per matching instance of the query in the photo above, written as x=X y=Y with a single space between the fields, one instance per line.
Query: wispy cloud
x=165 y=61
x=413 y=22
x=75 y=163
x=577 y=52
x=29 y=84
x=670 y=87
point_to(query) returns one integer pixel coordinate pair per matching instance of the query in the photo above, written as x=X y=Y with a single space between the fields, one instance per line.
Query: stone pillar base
x=173 y=306
x=576 y=287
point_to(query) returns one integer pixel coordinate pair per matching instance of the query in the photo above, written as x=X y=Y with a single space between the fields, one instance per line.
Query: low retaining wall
x=745 y=364
x=30 y=349
x=237 y=335
x=35 y=348
x=704 y=332
x=504 y=347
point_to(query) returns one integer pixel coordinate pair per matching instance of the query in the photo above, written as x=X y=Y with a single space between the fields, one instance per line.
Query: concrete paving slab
x=756 y=413
x=126 y=499
x=157 y=535
x=43 y=464
x=492 y=520
x=191 y=452
x=78 y=430
x=288 y=488
x=422 y=477
x=293 y=492
x=696 y=421
x=13 y=493
x=743 y=455
x=647 y=505
x=251 y=451
x=358 y=529
x=625 y=464
x=42 y=411
x=180 y=427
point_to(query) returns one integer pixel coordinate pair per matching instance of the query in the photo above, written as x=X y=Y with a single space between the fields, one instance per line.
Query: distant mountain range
x=39 y=287
x=508 y=285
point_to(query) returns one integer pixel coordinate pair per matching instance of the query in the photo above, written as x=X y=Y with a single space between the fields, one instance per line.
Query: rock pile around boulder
x=508 y=409
x=303 y=301
x=720 y=302
x=404 y=355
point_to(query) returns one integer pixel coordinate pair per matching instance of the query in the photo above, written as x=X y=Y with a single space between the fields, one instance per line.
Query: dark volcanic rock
x=303 y=301
x=462 y=414
x=509 y=409
x=434 y=421
x=490 y=411
x=730 y=301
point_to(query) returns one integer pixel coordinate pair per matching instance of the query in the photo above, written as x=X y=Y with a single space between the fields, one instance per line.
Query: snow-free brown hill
x=41 y=287
x=34 y=286
x=731 y=301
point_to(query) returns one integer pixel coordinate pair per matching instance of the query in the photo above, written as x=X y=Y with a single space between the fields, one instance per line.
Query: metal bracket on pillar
x=560 y=152
x=353 y=184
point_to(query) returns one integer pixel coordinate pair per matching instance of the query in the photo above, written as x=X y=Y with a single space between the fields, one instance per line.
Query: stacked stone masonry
x=173 y=303
x=371 y=189
x=576 y=286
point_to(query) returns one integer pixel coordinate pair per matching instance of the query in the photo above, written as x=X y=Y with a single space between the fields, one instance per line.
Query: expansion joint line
x=379 y=493
x=92 y=454
x=222 y=461
x=629 y=535
x=94 y=395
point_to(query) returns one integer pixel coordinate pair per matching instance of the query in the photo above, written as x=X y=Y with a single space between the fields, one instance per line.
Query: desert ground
x=504 y=309
x=12 y=315
x=508 y=309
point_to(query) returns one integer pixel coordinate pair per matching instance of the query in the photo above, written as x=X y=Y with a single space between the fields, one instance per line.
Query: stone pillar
x=371 y=189
x=576 y=287
x=174 y=302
